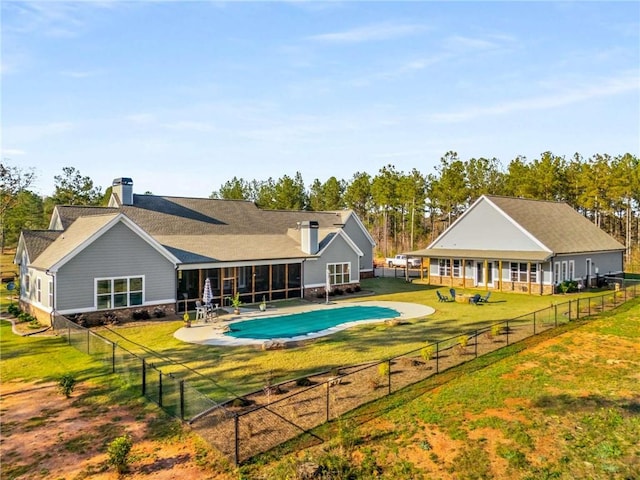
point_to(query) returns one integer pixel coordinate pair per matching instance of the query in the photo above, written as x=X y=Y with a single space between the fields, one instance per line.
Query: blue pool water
x=297 y=324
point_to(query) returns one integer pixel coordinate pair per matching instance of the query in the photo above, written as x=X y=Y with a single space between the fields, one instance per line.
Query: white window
x=456 y=268
x=572 y=269
x=518 y=272
x=119 y=292
x=339 y=273
x=444 y=267
x=556 y=273
x=50 y=293
x=533 y=273
x=27 y=283
x=39 y=290
x=564 y=272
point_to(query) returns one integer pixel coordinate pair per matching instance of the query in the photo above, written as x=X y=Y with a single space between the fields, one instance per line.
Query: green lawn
x=245 y=369
x=564 y=407
x=42 y=359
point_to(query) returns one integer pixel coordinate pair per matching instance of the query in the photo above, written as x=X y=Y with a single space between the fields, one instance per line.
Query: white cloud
x=570 y=95
x=12 y=152
x=369 y=33
x=141 y=118
x=28 y=133
x=80 y=73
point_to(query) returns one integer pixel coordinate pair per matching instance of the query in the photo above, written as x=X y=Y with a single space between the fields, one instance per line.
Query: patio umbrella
x=207 y=294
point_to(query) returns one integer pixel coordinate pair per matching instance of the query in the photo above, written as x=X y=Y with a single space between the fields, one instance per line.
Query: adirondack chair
x=485 y=299
x=452 y=291
x=475 y=299
x=441 y=297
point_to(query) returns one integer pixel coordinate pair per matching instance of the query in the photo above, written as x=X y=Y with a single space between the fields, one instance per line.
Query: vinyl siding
x=117 y=253
x=485 y=228
x=353 y=231
x=339 y=251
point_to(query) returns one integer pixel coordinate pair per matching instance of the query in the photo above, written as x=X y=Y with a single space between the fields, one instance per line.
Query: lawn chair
x=475 y=299
x=452 y=291
x=201 y=311
x=485 y=299
x=441 y=297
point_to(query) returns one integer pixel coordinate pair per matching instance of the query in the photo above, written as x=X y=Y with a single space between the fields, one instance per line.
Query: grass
x=245 y=369
x=521 y=413
x=42 y=359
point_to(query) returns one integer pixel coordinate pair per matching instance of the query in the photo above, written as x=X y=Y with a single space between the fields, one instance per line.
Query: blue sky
x=183 y=96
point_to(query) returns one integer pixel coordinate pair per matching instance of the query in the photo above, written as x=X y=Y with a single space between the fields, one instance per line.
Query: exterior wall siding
x=353 y=230
x=315 y=272
x=117 y=253
x=485 y=228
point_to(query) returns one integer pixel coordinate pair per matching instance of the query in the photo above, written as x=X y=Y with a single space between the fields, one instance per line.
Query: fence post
x=113 y=357
x=327 y=402
x=237 y=439
x=476 y=349
x=507 y=332
x=437 y=357
x=144 y=377
x=555 y=313
x=534 y=323
x=88 y=342
x=578 y=309
x=389 y=374
x=159 y=388
x=181 y=399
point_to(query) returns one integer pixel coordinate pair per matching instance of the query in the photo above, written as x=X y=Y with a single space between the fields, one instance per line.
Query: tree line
x=402 y=210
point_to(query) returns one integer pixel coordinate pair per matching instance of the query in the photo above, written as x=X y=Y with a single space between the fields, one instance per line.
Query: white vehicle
x=401 y=261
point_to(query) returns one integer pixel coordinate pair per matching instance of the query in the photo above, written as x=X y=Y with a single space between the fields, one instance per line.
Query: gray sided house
x=520 y=245
x=146 y=252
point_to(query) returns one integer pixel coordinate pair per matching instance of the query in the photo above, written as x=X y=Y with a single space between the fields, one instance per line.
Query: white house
x=521 y=245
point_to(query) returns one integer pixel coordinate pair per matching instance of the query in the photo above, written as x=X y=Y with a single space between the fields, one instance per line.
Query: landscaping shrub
x=303 y=382
x=118 y=452
x=140 y=315
x=427 y=352
x=14 y=309
x=159 y=313
x=66 y=384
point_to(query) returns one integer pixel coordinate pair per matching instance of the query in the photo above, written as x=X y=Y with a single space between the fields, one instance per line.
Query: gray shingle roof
x=201 y=230
x=556 y=225
x=37 y=241
x=67 y=241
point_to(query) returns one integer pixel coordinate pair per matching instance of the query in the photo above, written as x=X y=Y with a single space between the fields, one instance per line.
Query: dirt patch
x=45 y=435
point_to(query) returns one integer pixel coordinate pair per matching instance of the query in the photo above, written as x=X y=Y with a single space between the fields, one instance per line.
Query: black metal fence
x=244 y=427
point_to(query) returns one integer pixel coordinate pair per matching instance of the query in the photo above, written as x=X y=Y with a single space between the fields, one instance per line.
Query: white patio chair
x=201 y=311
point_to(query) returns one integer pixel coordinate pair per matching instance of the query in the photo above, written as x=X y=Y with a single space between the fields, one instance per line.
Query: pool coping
x=212 y=333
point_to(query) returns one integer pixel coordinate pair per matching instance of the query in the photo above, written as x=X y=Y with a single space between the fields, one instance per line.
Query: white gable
x=485 y=227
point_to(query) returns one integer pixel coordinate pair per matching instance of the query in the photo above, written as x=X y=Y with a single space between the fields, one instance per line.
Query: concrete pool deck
x=212 y=332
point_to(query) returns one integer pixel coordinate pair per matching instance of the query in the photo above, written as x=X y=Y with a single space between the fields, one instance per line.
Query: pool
x=306 y=323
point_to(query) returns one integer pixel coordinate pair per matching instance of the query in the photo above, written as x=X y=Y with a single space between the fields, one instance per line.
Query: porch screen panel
x=262 y=278
x=294 y=274
x=278 y=277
